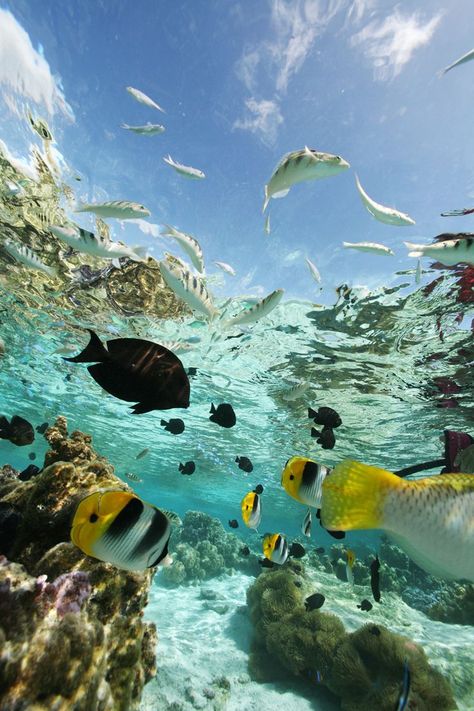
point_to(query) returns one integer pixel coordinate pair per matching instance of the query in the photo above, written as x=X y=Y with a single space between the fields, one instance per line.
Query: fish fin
x=116 y=263
x=180 y=467
x=237 y=459
x=4 y=428
x=140 y=254
x=312 y=413
x=213 y=409
x=354 y=494
x=315 y=433
x=281 y=194
x=163 y=423
x=166 y=561
x=94 y=352
x=267 y=199
x=416 y=249
x=142 y=407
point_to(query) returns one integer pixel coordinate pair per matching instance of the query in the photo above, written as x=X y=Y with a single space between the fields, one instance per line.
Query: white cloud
x=148 y=228
x=264 y=119
x=22 y=165
x=25 y=70
x=246 y=68
x=390 y=43
x=292 y=257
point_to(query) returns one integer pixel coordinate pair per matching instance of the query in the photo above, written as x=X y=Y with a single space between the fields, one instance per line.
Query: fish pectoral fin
x=281 y=194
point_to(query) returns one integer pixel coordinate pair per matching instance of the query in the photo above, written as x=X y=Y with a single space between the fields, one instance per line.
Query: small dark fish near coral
x=41 y=429
x=375 y=578
x=365 y=605
x=223 y=415
x=245 y=551
x=32 y=456
x=19 y=431
x=325 y=416
x=405 y=692
x=325 y=438
x=187 y=468
x=245 y=464
x=234 y=523
x=175 y=426
x=314 y=602
x=139 y=371
x=258 y=489
x=28 y=473
x=266 y=563
x=119 y=528
x=297 y=550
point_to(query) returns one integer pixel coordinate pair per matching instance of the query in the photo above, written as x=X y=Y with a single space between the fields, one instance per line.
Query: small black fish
x=136 y=370
x=375 y=631
x=41 y=429
x=266 y=563
x=223 y=415
x=325 y=416
x=319 y=550
x=175 y=426
x=245 y=551
x=28 y=473
x=18 y=430
x=297 y=583
x=187 y=468
x=191 y=372
x=10 y=519
x=365 y=605
x=258 y=489
x=245 y=464
x=67 y=378
x=375 y=578
x=234 y=523
x=32 y=456
x=314 y=602
x=335 y=534
x=325 y=438
x=297 y=550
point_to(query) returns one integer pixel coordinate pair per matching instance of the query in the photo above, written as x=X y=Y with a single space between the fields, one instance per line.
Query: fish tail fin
x=312 y=413
x=267 y=199
x=354 y=495
x=163 y=423
x=213 y=409
x=180 y=467
x=416 y=249
x=141 y=408
x=4 y=428
x=237 y=459
x=94 y=352
x=315 y=433
x=140 y=254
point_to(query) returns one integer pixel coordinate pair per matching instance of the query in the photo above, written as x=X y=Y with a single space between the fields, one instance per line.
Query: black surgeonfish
x=136 y=370
x=18 y=431
x=234 y=523
x=119 y=528
x=314 y=602
x=325 y=438
x=365 y=605
x=187 y=468
x=325 y=416
x=223 y=415
x=30 y=471
x=297 y=550
x=375 y=578
x=41 y=429
x=245 y=464
x=175 y=426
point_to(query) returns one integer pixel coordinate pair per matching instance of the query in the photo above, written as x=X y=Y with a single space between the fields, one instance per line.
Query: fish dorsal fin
x=129 y=351
x=172 y=517
x=103 y=230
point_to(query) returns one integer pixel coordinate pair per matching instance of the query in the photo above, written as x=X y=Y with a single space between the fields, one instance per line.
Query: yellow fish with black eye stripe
x=275 y=548
x=118 y=527
x=251 y=509
x=302 y=479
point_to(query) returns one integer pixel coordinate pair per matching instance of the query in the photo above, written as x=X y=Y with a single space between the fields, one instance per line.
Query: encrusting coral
x=72 y=634
x=363 y=668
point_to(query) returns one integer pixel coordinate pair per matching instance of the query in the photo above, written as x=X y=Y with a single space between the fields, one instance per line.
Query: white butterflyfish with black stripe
x=313 y=270
x=296 y=391
x=306 y=525
x=190 y=245
x=449 y=252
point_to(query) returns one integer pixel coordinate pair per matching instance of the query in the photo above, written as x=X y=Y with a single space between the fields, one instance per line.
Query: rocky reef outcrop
x=363 y=668
x=72 y=635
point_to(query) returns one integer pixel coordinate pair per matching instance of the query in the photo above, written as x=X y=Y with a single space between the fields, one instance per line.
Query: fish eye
x=93 y=518
x=292 y=476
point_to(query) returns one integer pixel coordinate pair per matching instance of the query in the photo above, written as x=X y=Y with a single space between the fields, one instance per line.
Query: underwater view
x=236 y=355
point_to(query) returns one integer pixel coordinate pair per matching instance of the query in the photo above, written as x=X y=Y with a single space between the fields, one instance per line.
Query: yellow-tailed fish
x=119 y=528
x=275 y=548
x=302 y=480
x=251 y=509
x=350 y=559
x=432 y=519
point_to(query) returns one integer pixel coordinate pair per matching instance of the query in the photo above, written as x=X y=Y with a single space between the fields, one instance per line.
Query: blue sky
x=242 y=84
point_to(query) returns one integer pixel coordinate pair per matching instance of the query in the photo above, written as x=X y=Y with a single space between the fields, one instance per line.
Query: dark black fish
x=245 y=551
x=136 y=370
x=297 y=583
x=191 y=372
x=365 y=605
x=375 y=631
x=335 y=534
x=258 y=489
x=314 y=602
x=319 y=550
x=18 y=430
x=375 y=578
x=10 y=519
x=32 y=456
x=223 y=415
x=67 y=378
x=41 y=429
x=245 y=464
x=325 y=416
x=175 y=426
x=187 y=468
x=266 y=563
x=325 y=438
x=30 y=471
x=234 y=523
x=297 y=550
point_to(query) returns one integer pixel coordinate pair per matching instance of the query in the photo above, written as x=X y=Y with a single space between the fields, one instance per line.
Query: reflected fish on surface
x=301 y=165
x=387 y=215
x=149 y=129
x=223 y=415
x=190 y=245
x=257 y=311
x=186 y=170
x=350 y=560
x=245 y=464
x=296 y=391
x=275 y=548
x=325 y=438
x=119 y=528
x=88 y=243
x=143 y=453
x=462 y=60
x=136 y=370
x=448 y=252
x=225 y=268
x=144 y=99
x=18 y=431
x=373 y=247
x=189 y=288
x=429 y=518
x=314 y=602
x=119 y=209
x=313 y=270
x=325 y=416
x=187 y=468
x=251 y=510
x=175 y=426
x=23 y=254
x=306 y=525
x=418 y=272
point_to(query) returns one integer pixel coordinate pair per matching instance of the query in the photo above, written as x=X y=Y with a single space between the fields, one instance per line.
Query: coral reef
x=71 y=629
x=202 y=549
x=455 y=605
x=363 y=668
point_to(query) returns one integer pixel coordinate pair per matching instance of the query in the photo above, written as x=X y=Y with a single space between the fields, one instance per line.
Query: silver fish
x=144 y=99
x=149 y=129
x=133 y=477
x=21 y=253
x=314 y=271
x=372 y=247
x=296 y=391
x=450 y=252
x=97 y=246
x=225 y=268
x=186 y=170
x=462 y=60
x=189 y=288
x=267 y=227
x=120 y=209
x=190 y=245
x=259 y=310
x=388 y=215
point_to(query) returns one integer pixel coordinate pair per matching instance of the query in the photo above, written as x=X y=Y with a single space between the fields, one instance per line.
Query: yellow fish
x=275 y=548
x=350 y=558
x=251 y=509
x=302 y=479
x=119 y=528
x=432 y=519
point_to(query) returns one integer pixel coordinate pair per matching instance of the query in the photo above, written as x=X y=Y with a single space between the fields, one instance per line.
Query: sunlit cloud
x=390 y=43
x=148 y=228
x=292 y=257
x=25 y=70
x=264 y=117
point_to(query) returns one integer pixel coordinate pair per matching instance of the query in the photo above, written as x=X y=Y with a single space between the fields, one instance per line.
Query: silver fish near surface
x=144 y=99
x=186 y=170
x=313 y=270
x=149 y=129
x=462 y=60
x=296 y=391
x=259 y=310
x=23 y=254
x=189 y=288
x=298 y=166
x=373 y=247
x=225 y=268
x=449 y=252
x=120 y=209
x=97 y=246
x=387 y=215
x=190 y=245
x=267 y=227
